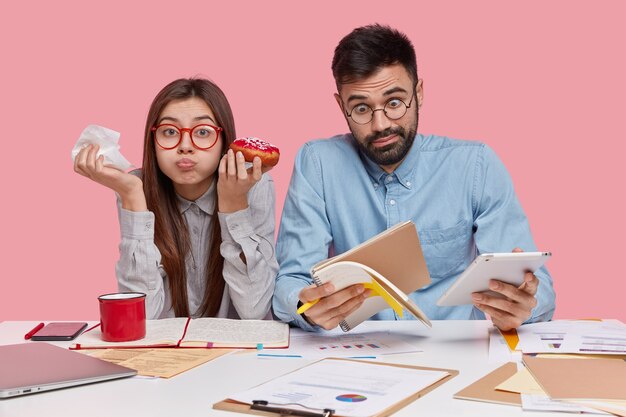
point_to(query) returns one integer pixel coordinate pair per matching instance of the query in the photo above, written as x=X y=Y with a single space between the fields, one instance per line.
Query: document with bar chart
x=345 y=345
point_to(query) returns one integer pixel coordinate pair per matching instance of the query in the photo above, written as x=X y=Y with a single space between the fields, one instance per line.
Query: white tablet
x=507 y=267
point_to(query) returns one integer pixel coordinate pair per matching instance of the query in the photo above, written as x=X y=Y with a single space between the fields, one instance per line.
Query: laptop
x=28 y=368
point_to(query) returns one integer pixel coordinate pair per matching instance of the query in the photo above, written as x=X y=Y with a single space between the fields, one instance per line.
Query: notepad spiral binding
x=343 y=324
x=317 y=281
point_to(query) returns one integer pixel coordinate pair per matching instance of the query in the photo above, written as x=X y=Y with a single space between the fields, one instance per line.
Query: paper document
x=606 y=339
x=499 y=351
x=617 y=408
x=351 y=388
x=541 y=402
x=163 y=363
x=522 y=383
x=573 y=336
x=336 y=343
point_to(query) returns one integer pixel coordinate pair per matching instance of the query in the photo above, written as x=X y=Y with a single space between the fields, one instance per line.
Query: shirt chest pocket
x=447 y=250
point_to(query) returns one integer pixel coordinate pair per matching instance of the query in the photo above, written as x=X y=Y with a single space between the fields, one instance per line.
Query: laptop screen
x=37 y=366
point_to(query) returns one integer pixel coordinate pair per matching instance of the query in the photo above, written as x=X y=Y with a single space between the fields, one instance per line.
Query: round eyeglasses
x=394 y=109
x=169 y=136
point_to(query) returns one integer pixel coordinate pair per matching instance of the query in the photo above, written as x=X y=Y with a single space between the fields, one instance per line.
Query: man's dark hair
x=369 y=48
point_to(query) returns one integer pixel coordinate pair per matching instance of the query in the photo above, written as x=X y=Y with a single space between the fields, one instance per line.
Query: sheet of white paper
x=544 y=337
x=499 y=351
x=536 y=402
x=351 y=388
x=617 y=406
x=108 y=140
x=573 y=336
x=336 y=343
x=604 y=338
x=522 y=383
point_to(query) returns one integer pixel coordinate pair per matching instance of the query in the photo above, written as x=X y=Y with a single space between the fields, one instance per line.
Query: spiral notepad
x=391 y=261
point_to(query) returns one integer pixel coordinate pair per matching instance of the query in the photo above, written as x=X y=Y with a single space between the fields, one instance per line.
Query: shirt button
x=388 y=179
x=392 y=202
x=408 y=183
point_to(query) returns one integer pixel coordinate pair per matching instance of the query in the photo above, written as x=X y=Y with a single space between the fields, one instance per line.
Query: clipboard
x=239 y=407
x=485 y=388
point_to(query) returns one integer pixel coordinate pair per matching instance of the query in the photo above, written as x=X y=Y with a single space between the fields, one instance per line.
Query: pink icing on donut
x=255 y=143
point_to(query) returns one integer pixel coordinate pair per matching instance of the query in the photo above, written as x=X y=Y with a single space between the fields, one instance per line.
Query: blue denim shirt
x=458 y=193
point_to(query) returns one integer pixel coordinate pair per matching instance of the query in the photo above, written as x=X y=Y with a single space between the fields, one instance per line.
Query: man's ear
x=339 y=103
x=419 y=92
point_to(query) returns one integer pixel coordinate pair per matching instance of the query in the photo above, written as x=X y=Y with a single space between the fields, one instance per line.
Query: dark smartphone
x=60 y=331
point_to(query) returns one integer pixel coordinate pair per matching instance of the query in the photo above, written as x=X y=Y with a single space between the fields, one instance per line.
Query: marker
x=271 y=355
x=375 y=289
x=304 y=307
x=32 y=332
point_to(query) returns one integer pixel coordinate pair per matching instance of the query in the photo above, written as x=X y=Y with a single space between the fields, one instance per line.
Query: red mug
x=122 y=316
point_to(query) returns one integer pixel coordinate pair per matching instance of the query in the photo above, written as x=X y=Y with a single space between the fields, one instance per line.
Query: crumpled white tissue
x=107 y=139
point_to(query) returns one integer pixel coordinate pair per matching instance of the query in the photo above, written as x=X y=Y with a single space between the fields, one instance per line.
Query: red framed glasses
x=169 y=136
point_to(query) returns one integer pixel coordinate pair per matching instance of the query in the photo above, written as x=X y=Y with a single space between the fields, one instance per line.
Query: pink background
x=543 y=83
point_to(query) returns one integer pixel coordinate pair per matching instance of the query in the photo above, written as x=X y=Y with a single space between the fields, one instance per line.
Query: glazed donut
x=251 y=147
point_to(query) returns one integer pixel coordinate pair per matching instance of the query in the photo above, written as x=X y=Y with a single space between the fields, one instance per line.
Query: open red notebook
x=205 y=332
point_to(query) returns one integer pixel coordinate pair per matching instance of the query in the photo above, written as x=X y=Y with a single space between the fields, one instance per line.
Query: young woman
x=197 y=228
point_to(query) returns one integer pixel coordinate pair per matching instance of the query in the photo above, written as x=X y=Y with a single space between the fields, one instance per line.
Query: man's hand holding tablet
x=502 y=285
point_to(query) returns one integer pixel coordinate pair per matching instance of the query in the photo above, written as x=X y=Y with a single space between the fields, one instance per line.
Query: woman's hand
x=234 y=181
x=128 y=186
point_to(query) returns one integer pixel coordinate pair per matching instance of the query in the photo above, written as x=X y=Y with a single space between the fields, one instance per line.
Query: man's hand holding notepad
x=382 y=293
x=344 y=274
x=388 y=266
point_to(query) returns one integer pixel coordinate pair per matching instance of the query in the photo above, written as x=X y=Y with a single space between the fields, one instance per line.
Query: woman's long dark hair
x=171 y=235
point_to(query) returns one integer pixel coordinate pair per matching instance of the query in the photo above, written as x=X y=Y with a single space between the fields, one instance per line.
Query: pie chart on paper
x=351 y=398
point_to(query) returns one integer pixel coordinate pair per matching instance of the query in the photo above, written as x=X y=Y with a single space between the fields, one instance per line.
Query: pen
x=304 y=307
x=375 y=289
x=272 y=355
x=32 y=332
x=262 y=405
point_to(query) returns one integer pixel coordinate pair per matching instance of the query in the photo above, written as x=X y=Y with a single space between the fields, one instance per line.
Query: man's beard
x=393 y=153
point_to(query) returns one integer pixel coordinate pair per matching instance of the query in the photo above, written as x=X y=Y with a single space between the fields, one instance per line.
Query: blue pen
x=361 y=357
x=271 y=355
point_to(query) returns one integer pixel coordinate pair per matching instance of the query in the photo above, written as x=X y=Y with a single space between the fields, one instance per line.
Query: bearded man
x=348 y=188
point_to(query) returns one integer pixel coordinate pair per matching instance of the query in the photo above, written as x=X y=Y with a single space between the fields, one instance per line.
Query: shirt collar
x=206 y=202
x=405 y=172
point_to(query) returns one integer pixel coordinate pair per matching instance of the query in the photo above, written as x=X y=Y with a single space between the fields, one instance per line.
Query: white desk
x=461 y=345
